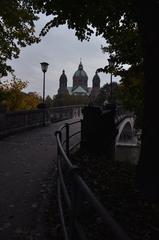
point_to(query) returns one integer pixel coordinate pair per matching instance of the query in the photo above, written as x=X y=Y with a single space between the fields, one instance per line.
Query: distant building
x=80 y=84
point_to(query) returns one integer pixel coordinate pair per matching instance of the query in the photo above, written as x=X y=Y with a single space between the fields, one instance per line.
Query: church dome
x=80 y=77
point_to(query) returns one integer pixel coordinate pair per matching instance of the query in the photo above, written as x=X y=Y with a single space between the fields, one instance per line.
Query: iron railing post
x=58 y=150
x=67 y=140
x=60 y=135
x=74 y=203
x=81 y=142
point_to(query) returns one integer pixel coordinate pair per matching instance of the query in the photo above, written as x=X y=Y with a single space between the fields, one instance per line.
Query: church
x=80 y=84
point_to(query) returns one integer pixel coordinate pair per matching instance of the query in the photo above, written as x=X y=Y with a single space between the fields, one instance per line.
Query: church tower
x=95 y=86
x=63 y=84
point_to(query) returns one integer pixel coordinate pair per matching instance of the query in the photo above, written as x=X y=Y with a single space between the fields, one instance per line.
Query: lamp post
x=0 y=77
x=44 y=67
x=111 y=64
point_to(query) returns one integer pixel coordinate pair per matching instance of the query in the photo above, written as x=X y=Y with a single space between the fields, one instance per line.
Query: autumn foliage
x=12 y=97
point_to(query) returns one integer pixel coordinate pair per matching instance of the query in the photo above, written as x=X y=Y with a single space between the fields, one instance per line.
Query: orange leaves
x=30 y=101
x=12 y=96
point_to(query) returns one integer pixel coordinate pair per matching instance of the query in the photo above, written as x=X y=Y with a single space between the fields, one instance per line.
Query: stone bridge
x=126 y=132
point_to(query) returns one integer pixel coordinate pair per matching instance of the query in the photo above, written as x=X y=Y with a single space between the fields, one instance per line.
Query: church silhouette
x=80 y=84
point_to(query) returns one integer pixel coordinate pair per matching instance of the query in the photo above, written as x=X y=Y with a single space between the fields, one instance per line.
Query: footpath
x=27 y=172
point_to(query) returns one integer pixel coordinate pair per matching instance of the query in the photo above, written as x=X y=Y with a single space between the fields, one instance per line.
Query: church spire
x=63 y=84
x=63 y=80
x=96 y=80
x=80 y=65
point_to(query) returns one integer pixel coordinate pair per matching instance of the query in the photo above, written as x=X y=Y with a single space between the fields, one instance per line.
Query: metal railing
x=73 y=192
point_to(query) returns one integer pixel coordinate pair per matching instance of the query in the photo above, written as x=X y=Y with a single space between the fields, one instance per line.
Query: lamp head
x=44 y=66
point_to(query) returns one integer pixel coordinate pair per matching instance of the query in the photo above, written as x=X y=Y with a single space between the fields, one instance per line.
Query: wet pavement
x=27 y=159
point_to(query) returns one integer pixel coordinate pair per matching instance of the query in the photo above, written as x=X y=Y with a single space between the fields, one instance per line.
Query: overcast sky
x=62 y=50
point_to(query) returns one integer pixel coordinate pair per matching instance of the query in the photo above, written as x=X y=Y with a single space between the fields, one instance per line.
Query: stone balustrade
x=12 y=122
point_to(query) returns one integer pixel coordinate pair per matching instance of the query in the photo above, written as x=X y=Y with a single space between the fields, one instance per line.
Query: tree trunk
x=148 y=167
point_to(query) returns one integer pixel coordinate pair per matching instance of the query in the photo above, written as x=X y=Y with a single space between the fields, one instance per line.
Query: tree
x=49 y=101
x=11 y=93
x=12 y=98
x=131 y=94
x=17 y=29
x=104 y=94
x=65 y=100
x=29 y=101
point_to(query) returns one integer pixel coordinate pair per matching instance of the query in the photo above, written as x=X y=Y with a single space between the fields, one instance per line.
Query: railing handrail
x=60 y=148
x=77 y=183
x=67 y=106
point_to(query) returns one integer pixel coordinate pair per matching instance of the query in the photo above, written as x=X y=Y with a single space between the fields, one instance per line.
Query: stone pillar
x=99 y=130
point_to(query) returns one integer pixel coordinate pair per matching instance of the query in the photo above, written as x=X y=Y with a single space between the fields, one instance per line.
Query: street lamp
x=44 y=67
x=111 y=65
x=0 y=77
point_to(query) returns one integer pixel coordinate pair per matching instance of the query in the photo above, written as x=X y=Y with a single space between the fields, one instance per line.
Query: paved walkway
x=26 y=160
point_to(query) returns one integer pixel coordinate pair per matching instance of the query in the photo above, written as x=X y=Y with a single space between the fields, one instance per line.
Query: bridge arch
x=125 y=129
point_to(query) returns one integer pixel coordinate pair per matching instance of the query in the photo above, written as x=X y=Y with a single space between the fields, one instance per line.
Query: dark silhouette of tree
x=49 y=101
x=17 y=29
x=104 y=94
x=65 y=100
x=131 y=94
